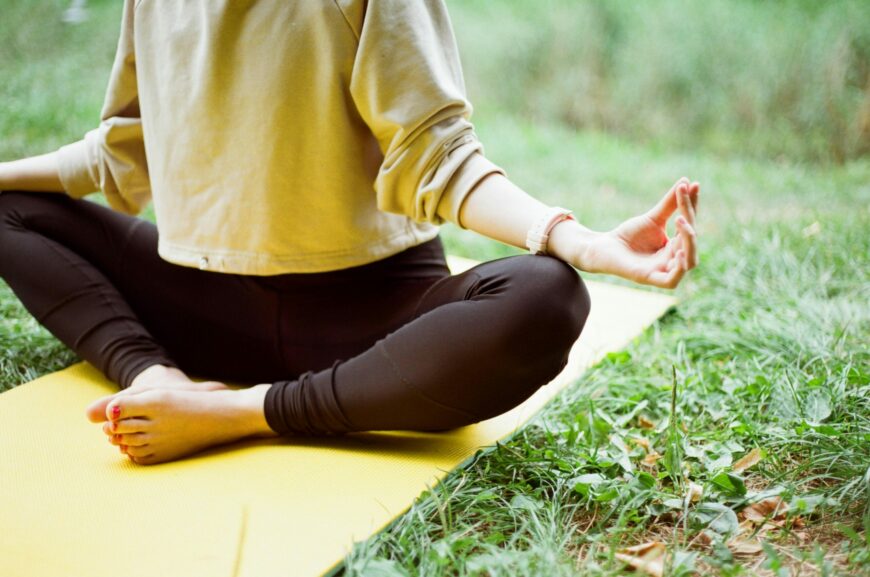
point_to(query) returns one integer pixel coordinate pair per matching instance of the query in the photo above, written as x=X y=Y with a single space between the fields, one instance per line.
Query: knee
x=554 y=301
x=8 y=215
x=12 y=205
x=18 y=211
x=7 y=201
x=554 y=304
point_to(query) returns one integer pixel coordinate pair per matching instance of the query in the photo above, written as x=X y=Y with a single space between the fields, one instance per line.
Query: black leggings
x=398 y=343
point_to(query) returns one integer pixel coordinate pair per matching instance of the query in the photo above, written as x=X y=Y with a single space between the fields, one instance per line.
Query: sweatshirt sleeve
x=408 y=87
x=111 y=157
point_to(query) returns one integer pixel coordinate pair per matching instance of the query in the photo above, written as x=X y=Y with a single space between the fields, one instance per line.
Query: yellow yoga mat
x=70 y=504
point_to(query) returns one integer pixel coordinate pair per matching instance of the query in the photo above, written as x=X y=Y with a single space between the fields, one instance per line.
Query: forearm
x=37 y=173
x=499 y=209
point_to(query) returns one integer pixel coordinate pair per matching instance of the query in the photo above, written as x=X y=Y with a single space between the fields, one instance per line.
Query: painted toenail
x=115 y=426
x=116 y=411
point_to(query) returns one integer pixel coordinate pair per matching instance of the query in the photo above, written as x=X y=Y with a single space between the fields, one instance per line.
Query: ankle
x=249 y=406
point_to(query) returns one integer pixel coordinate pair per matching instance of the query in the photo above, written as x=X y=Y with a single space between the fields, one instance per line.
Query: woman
x=301 y=157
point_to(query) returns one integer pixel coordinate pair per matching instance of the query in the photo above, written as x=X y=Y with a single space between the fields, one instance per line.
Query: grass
x=741 y=77
x=767 y=349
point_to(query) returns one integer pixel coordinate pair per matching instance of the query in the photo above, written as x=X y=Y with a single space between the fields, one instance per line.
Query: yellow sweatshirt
x=278 y=136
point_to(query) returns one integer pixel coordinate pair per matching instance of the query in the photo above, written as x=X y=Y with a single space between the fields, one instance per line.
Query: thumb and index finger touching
x=663 y=210
x=682 y=197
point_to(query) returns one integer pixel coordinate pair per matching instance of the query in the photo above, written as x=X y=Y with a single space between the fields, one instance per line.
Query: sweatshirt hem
x=261 y=264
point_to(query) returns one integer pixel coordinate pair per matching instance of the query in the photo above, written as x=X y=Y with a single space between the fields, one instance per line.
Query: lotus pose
x=301 y=157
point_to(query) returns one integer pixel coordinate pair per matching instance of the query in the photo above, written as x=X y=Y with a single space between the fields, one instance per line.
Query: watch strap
x=539 y=233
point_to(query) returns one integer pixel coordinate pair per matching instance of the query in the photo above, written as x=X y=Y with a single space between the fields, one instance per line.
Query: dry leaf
x=750 y=531
x=645 y=423
x=746 y=527
x=654 y=567
x=641 y=442
x=772 y=508
x=750 y=459
x=751 y=514
x=651 y=458
x=770 y=511
x=646 y=557
x=802 y=536
x=655 y=548
x=694 y=492
x=745 y=547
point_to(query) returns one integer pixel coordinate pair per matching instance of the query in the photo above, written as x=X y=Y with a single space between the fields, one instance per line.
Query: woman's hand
x=640 y=250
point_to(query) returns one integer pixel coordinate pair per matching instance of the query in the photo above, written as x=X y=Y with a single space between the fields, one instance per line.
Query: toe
x=136 y=439
x=126 y=426
x=146 y=460
x=96 y=411
x=140 y=451
x=140 y=404
x=130 y=440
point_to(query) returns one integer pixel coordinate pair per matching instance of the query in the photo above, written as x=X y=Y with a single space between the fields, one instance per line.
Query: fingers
x=682 y=191
x=689 y=248
x=662 y=211
x=684 y=204
x=681 y=253
x=675 y=243
x=684 y=256
x=671 y=276
x=694 y=191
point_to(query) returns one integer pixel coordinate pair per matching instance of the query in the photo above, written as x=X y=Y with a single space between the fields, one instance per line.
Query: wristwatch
x=539 y=233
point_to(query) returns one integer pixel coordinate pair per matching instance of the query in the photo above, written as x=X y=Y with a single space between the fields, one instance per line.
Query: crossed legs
x=353 y=350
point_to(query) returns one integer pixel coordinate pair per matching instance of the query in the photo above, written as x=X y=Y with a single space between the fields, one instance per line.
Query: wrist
x=7 y=177
x=570 y=241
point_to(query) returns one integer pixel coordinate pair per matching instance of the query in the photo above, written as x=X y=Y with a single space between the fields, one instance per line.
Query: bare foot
x=154 y=377
x=159 y=425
